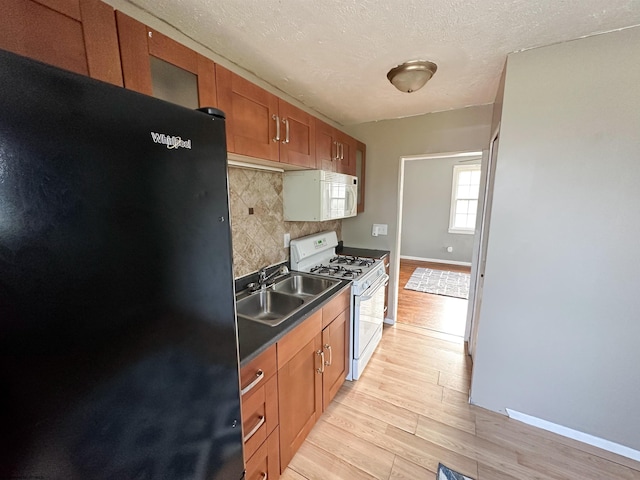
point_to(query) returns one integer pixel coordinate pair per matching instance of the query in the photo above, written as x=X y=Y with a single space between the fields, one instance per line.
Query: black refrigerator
x=118 y=338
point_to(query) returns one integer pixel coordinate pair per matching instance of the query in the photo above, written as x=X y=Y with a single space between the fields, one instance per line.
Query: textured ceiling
x=333 y=55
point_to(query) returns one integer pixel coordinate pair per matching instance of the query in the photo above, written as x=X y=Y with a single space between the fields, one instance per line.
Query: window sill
x=462 y=232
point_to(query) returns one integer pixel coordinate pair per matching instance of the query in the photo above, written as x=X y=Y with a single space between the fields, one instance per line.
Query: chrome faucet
x=263 y=278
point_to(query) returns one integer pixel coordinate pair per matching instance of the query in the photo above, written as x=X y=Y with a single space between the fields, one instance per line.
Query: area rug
x=439 y=282
x=445 y=473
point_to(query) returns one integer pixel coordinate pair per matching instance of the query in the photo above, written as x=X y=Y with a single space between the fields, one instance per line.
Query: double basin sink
x=287 y=296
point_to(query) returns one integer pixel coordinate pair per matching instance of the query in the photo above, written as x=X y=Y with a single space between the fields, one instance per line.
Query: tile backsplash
x=258 y=237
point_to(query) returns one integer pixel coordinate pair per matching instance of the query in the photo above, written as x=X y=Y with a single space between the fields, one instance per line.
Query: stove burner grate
x=336 y=271
x=351 y=260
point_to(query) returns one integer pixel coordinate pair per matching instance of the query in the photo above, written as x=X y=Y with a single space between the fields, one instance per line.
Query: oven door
x=367 y=320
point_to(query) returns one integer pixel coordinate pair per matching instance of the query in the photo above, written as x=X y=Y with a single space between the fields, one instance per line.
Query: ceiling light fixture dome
x=412 y=75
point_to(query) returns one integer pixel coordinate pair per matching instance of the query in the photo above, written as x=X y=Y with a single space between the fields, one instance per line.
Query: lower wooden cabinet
x=312 y=365
x=279 y=409
x=300 y=385
x=335 y=344
x=259 y=415
x=265 y=463
x=259 y=383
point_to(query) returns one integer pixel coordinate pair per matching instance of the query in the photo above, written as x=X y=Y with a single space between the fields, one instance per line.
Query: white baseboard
x=436 y=260
x=389 y=321
x=575 y=435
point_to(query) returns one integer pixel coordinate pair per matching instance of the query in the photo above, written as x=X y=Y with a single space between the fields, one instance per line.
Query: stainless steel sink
x=303 y=285
x=290 y=294
x=268 y=306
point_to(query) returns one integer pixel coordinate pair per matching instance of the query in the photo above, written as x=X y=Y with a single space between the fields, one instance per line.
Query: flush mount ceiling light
x=411 y=76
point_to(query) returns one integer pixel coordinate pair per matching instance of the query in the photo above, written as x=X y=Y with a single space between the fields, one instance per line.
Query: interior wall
x=258 y=234
x=559 y=320
x=425 y=212
x=466 y=129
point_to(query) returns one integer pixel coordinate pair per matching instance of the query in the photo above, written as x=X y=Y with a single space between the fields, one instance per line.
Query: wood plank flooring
x=409 y=411
x=435 y=312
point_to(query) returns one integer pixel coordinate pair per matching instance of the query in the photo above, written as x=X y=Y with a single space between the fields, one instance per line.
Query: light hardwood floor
x=409 y=411
x=435 y=312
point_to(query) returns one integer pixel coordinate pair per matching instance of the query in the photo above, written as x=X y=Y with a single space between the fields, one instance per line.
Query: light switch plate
x=382 y=229
x=379 y=229
x=287 y=239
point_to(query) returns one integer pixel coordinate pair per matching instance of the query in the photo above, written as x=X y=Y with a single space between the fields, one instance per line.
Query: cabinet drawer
x=335 y=307
x=258 y=371
x=259 y=415
x=265 y=463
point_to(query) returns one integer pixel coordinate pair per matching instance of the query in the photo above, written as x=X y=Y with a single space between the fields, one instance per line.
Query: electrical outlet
x=379 y=229
x=287 y=239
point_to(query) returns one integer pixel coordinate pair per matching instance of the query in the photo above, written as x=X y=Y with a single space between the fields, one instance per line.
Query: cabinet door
x=326 y=146
x=298 y=136
x=77 y=35
x=252 y=116
x=157 y=65
x=347 y=154
x=299 y=398
x=335 y=344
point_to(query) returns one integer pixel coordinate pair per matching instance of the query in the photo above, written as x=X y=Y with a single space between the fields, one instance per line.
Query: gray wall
x=456 y=130
x=559 y=325
x=425 y=212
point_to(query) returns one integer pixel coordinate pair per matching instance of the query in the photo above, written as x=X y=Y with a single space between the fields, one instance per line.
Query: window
x=464 y=198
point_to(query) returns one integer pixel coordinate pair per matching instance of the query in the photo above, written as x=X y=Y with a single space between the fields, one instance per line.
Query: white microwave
x=318 y=195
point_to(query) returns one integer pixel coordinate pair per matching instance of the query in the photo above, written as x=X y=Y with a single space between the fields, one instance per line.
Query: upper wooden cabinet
x=261 y=125
x=326 y=147
x=77 y=35
x=347 y=154
x=335 y=150
x=149 y=56
x=90 y=38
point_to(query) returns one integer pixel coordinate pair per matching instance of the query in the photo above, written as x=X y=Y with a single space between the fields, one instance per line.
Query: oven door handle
x=371 y=291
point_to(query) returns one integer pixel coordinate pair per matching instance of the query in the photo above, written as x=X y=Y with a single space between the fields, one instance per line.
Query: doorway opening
x=428 y=238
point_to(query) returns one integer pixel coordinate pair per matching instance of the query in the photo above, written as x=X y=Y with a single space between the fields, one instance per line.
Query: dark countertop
x=362 y=252
x=254 y=338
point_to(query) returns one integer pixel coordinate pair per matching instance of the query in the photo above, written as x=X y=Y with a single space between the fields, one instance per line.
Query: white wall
x=560 y=318
x=425 y=212
x=466 y=129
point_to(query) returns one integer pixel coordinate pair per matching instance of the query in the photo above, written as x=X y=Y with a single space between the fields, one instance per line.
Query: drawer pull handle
x=264 y=476
x=259 y=377
x=322 y=362
x=276 y=118
x=286 y=135
x=253 y=431
x=328 y=347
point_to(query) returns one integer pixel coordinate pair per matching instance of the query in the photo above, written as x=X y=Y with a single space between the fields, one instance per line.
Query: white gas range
x=316 y=254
